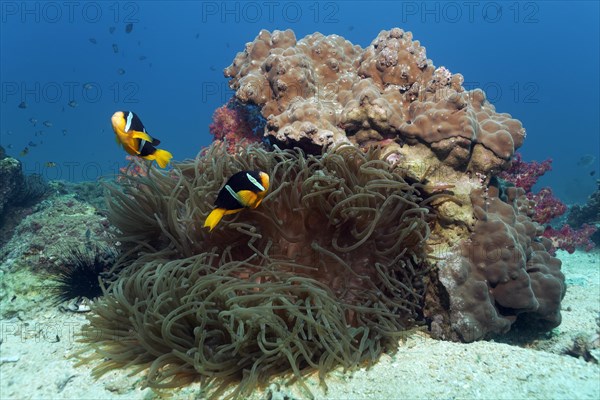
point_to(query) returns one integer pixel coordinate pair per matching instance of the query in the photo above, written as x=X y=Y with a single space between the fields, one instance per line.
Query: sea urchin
x=80 y=272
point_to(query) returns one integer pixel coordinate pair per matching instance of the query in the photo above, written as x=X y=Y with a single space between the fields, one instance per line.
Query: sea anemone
x=79 y=273
x=326 y=272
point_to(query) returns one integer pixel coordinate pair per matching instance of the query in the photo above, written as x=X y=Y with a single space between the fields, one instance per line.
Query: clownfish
x=245 y=189
x=132 y=135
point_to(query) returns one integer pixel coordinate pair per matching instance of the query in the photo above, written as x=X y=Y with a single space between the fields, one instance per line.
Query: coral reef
x=34 y=240
x=504 y=272
x=90 y=192
x=385 y=212
x=134 y=168
x=33 y=190
x=327 y=271
x=236 y=123
x=35 y=252
x=18 y=193
x=588 y=214
x=546 y=207
x=11 y=180
x=525 y=174
x=569 y=239
x=322 y=90
x=17 y=188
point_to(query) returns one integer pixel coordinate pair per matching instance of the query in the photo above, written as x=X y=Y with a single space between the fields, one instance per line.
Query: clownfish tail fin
x=214 y=217
x=162 y=157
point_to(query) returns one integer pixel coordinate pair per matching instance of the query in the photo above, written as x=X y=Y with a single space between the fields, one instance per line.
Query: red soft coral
x=567 y=238
x=234 y=123
x=547 y=207
x=525 y=174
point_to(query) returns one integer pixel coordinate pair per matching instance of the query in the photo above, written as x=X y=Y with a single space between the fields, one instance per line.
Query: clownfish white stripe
x=128 y=124
x=233 y=193
x=255 y=182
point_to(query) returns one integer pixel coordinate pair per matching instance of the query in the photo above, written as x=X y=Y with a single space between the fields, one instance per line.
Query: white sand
x=35 y=365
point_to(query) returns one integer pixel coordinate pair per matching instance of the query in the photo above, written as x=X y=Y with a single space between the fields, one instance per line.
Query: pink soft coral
x=133 y=168
x=525 y=174
x=567 y=238
x=547 y=207
x=234 y=123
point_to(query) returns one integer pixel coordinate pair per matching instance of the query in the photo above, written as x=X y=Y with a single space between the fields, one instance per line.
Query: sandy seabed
x=35 y=361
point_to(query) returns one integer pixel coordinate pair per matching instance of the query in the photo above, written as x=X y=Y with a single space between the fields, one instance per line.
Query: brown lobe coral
x=387 y=91
x=503 y=272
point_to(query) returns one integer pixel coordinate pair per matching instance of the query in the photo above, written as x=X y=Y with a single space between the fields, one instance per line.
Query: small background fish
x=586 y=160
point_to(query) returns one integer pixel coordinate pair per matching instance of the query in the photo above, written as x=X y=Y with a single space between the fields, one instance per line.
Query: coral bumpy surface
x=327 y=271
x=504 y=270
x=323 y=90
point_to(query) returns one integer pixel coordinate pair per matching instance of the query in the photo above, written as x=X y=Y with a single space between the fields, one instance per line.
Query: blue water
x=538 y=61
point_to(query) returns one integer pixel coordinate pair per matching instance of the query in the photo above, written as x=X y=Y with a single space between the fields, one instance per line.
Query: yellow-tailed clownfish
x=132 y=135
x=245 y=189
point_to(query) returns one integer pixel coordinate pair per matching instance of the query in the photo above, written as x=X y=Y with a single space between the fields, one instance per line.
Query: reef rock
x=503 y=271
x=323 y=90
x=589 y=213
x=11 y=179
x=493 y=267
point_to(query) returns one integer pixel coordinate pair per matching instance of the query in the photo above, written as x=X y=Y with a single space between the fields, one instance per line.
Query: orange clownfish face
x=245 y=189
x=128 y=137
x=118 y=123
x=131 y=134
